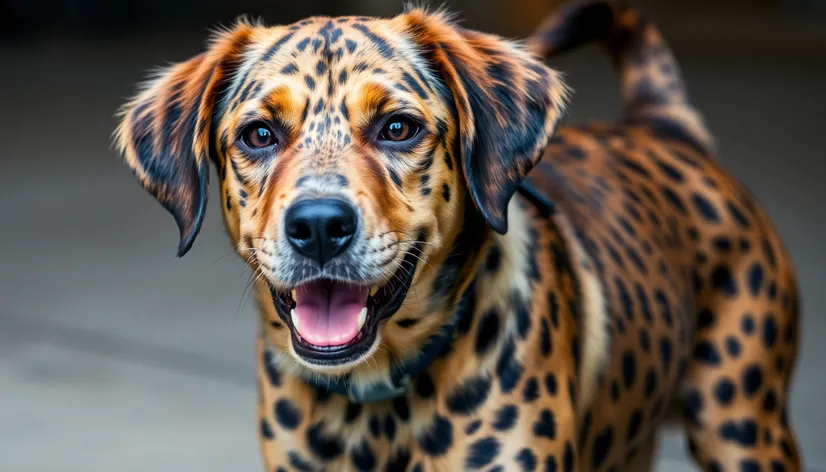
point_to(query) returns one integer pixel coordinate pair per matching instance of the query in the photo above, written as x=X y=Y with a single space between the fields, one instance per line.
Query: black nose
x=321 y=229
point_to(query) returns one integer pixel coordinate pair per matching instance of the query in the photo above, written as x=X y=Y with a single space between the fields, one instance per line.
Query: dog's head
x=350 y=151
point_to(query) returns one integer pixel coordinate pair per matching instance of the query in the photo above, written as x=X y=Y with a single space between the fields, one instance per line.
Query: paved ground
x=115 y=355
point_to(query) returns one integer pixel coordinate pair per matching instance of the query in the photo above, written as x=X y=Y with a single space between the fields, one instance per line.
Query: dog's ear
x=507 y=104
x=164 y=132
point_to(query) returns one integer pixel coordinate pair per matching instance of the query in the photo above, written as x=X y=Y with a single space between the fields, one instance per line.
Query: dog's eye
x=258 y=135
x=399 y=128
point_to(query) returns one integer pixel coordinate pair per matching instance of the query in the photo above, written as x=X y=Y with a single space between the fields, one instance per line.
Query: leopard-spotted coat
x=384 y=156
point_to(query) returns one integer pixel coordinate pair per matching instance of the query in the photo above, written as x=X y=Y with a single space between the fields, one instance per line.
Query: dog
x=449 y=280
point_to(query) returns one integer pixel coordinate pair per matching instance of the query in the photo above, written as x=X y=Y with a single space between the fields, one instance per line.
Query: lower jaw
x=336 y=356
x=333 y=356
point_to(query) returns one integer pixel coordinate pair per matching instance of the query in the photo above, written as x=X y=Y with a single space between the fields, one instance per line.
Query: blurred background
x=115 y=355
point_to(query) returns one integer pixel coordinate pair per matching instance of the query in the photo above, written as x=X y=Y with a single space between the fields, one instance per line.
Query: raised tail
x=653 y=93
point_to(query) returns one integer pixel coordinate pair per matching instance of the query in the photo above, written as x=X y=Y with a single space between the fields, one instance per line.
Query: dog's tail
x=652 y=90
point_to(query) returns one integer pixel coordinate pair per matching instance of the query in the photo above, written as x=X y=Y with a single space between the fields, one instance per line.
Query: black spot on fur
x=724 y=391
x=551 y=384
x=545 y=339
x=787 y=449
x=488 y=331
x=625 y=299
x=675 y=201
x=352 y=412
x=769 y=331
x=390 y=428
x=287 y=414
x=755 y=278
x=770 y=401
x=407 y=322
x=302 y=45
x=768 y=250
x=670 y=171
x=553 y=305
x=446 y=192
x=299 y=463
x=747 y=325
x=650 y=383
x=738 y=215
x=635 y=167
x=414 y=85
x=530 y=392
x=472 y=427
x=437 y=438
x=469 y=396
x=665 y=354
x=645 y=341
x=526 y=460
x=482 y=453
x=602 y=447
x=374 y=425
x=743 y=432
x=424 y=386
x=705 y=319
x=381 y=45
x=645 y=308
x=363 y=457
x=665 y=307
x=752 y=380
x=276 y=46
x=350 y=45
x=733 y=347
x=629 y=369
x=634 y=424
x=289 y=69
x=395 y=178
x=522 y=314
x=273 y=374
x=692 y=405
x=706 y=353
x=324 y=446
x=493 y=261
x=266 y=429
x=505 y=418
x=402 y=408
x=705 y=208
x=545 y=426
x=721 y=279
x=310 y=82
x=399 y=461
x=508 y=368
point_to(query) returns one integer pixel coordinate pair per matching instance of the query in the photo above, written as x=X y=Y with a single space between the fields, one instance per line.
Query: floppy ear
x=507 y=102
x=164 y=132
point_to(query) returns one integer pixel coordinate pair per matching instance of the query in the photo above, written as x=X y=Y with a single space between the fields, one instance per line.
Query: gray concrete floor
x=115 y=355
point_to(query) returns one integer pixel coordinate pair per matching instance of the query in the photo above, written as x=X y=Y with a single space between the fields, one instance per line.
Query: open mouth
x=335 y=322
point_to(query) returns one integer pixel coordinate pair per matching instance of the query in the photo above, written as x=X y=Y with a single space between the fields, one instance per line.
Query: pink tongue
x=328 y=312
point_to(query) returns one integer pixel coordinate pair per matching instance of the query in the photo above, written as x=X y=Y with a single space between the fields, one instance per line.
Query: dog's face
x=350 y=151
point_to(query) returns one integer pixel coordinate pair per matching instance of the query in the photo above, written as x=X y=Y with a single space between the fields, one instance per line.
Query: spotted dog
x=448 y=280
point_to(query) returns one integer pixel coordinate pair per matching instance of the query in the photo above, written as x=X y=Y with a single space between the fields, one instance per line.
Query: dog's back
x=701 y=297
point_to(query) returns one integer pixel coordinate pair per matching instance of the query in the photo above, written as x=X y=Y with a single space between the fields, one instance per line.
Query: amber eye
x=399 y=128
x=258 y=135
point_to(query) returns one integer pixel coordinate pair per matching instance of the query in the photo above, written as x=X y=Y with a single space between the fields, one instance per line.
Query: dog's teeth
x=373 y=291
x=293 y=295
x=362 y=317
x=294 y=317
